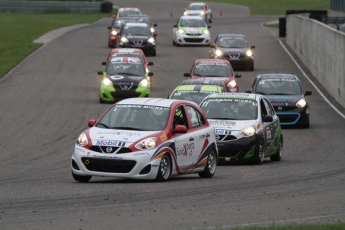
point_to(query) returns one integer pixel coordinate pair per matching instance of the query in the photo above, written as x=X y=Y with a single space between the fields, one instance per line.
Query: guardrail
x=337 y=5
x=49 y=7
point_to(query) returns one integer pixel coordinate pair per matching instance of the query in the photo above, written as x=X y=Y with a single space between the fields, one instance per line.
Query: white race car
x=146 y=138
x=191 y=30
x=199 y=8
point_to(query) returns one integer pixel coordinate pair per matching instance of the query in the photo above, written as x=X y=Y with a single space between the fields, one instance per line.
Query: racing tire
x=101 y=101
x=259 y=153
x=82 y=179
x=164 y=169
x=211 y=165
x=279 y=154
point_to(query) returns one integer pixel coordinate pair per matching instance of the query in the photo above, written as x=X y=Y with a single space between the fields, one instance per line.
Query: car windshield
x=137 y=30
x=129 y=68
x=230 y=42
x=230 y=108
x=136 y=55
x=212 y=70
x=278 y=86
x=135 y=117
x=145 y=20
x=118 y=23
x=129 y=13
x=192 y=22
x=195 y=7
x=196 y=97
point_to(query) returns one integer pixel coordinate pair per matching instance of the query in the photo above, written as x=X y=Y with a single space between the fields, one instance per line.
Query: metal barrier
x=337 y=5
x=49 y=7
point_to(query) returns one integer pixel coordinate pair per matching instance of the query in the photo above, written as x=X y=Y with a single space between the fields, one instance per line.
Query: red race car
x=216 y=69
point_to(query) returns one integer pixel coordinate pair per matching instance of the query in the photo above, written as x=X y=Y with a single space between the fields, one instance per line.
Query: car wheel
x=211 y=165
x=278 y=156
x=79 y=178
x=259 y=153
x=101 y=101
x=164 y=170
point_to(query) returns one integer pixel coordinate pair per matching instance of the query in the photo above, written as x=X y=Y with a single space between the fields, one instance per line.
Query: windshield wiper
x=104 y=125
x=126 y=128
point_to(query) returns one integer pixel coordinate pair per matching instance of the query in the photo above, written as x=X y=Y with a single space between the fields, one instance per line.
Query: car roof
x=141 y=24
x=232 y=35
x=203 y=81
x=164 y=102
x=198 y=88
x=127 y=50
x=197 y=3
x=129 y=9
x=125 y=60
x=249 y=96
x=191 y=17
x=212 y=61
x=277 y=75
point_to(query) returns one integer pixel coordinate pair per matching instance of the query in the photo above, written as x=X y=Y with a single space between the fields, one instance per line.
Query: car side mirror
x=208 y=27
x=91 y=123
x=100 y=72
x=252 y=47
x=150 y=63
x=104 y=63
x=213 y=46
x=307 y=93
x=186 y=74
x=155 y=25
x=180 y=129
x=150 y=74
x=267 y=118
x=238 y=75
x=175 y=25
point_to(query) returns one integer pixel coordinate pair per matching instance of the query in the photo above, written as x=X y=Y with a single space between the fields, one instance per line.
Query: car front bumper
x=109 y=94
x=184 y=39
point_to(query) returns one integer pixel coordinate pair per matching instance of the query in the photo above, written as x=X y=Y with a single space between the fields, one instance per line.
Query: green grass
x=19 y=30
x=278 y=7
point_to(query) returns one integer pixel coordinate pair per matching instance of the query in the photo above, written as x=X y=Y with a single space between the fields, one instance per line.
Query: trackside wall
x=322 y=50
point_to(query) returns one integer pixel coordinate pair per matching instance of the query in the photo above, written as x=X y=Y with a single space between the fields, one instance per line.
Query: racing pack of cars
x=203 y=121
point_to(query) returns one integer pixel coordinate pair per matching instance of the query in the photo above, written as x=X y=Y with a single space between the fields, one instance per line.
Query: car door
x=272 y=144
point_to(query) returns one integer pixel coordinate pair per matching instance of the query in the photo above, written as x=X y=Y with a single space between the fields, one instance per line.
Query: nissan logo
x=137 y=42
x=109 y=149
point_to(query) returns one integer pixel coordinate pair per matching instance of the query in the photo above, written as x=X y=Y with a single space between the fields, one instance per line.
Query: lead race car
x=146 y=138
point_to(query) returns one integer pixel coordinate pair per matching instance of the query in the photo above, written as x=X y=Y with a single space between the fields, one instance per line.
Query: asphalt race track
x=46 y=102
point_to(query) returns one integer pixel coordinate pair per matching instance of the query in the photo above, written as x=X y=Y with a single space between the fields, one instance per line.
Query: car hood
x=233 y=50
x=125 y=78
x=234 y=125
x=137 y=37
x=284 y=98
x=193 y=30
x=117 y=137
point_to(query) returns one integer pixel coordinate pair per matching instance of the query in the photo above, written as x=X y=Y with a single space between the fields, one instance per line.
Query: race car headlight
x=219 y=53
x=107 y=82
x=232 y=84
x=185 y=13
x=144 y=82
x=113 y=32
x=152 y=30
x=201 y=12
x=206 y=32
x=181 y=31
x=148 y=143
x=301 y=103
x=249 y=53
x=247 y=132
x=151 y=40
x=82 y=140
x=124 y=40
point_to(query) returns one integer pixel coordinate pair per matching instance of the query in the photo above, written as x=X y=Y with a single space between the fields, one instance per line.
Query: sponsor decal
x=154 y=166
x=107 y=157
x=222 y=132
x=116 y=77
x=219 y=122
x=202 y=137
x=142 y=107
x=185 y=150
x=119 y=133
x=109 y=143
x=79 y=150
x=141 y=154
x=164 y=137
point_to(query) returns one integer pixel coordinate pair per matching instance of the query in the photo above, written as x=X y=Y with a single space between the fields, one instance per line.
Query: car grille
x=194 y=34
x=108 y=165
x=119 y=95
x=288 y=117
x=227 y=154
x=225 y=137
x=137 y=42
x=109 y=149
x=193 y=39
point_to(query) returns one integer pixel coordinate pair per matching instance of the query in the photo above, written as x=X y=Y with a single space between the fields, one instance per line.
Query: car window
x=278 y=86
x=196 y=7
x=196 y=118
x=212 y=70
x=269 y=108
x=192 y=22
x=180 y=117
x=136 y=68
x=136 y=55
x=231 y=42
x=263 y=108
x=136 y=30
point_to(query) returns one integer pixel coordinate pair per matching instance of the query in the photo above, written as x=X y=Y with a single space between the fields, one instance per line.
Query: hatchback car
x=191 y=30
x=246 y=127
x=216 y=69
x=146 y=138
x=194 y=93
x=137 y=35
x=128 y=11
x=287 y=97
x=124 y=77
x=199 y=8
x=235 y=48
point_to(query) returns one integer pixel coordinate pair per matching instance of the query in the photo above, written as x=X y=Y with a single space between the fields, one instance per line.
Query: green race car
x=124 y=77
x=194 y=93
